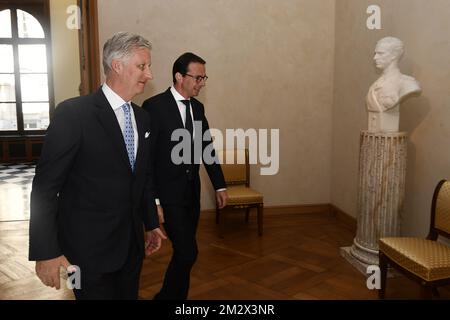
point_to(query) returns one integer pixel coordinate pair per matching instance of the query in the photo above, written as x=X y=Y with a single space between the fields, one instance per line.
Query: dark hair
x=182 y=63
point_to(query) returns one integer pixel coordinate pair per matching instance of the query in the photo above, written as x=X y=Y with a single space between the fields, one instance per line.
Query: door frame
x=89 y=47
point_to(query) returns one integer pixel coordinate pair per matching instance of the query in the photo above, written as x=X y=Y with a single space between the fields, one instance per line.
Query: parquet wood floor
x=296 y=258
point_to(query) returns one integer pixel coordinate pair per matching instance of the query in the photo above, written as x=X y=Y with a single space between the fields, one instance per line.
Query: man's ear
x=116 y=65
x=178 y=76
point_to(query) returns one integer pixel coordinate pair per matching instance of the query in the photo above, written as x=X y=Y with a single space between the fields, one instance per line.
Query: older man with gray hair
x=93 y=193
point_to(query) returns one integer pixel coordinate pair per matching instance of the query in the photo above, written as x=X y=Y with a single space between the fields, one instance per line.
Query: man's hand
x=160 y=214
x=153 y=240
x=48 y=270
x=221 y=198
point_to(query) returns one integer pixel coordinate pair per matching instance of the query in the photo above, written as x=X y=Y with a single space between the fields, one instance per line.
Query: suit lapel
x=196 y=111
x=173 y=110
x=197 y=116
x=108 y=120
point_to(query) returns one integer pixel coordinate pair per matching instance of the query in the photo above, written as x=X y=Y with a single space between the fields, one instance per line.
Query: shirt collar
x=113 y=98
x=176 y=94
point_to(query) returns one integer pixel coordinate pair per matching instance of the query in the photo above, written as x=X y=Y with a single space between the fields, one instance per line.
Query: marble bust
x=390 y=89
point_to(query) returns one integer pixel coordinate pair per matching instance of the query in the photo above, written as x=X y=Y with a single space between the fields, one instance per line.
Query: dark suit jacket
x=86 y=203
x=171 y=179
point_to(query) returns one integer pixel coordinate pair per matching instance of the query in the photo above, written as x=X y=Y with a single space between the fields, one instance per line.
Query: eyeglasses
x=198 y=79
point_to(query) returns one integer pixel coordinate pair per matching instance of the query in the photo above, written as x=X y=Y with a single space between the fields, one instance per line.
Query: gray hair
x=395 y=45
x=120 y=46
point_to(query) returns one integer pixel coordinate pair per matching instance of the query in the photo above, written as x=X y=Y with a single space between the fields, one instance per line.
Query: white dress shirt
x=182 y=107
x=116 y=103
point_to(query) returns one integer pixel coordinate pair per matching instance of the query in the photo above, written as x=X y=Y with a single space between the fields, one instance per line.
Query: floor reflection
x=15 y=188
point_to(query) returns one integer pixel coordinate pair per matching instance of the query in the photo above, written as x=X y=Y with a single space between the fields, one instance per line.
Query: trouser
x=181 y=226
x=122 y=284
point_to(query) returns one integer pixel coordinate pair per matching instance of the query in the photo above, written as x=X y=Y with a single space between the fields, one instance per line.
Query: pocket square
x=147 y=134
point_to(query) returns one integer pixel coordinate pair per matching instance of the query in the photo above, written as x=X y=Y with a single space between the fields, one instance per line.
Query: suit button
x=187 y=171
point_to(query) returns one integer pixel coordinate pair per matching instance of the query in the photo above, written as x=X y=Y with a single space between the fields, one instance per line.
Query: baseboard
x=290 y=209
x=344 y=217
x=298 y=209
x=323 y=208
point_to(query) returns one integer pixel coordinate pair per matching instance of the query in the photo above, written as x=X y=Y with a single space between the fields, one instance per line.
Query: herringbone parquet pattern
x=296 y=258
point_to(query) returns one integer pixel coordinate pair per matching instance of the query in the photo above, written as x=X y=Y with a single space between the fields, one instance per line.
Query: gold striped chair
x=423 y=260
x=240 y=195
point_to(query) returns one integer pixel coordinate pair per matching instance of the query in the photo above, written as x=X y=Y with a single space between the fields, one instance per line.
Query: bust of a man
x=386 y=93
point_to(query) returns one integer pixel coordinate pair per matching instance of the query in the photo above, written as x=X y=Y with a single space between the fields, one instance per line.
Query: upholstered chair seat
x=242 y=195
x=426 y=261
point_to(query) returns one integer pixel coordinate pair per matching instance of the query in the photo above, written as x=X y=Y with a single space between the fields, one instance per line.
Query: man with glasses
x=178 y=184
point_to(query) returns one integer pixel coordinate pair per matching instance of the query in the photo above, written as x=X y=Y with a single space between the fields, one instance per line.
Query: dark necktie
x=188 y=122
x=189 y=127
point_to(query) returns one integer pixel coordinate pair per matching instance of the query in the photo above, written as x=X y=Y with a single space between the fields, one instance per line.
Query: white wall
x=270 y=65
x=66 y=62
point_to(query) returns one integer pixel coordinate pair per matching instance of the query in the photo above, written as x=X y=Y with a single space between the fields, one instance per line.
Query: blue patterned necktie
x=129 y=134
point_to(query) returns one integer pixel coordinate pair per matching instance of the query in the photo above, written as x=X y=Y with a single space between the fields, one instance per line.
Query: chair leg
x=220 y=220
x=260 y=219
x=217 y=215
x=435 y=292
x=247 y=213
x=383 y=270
x=426 y=292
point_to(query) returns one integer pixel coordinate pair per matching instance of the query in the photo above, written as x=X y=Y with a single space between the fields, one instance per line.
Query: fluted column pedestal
x=381 y=193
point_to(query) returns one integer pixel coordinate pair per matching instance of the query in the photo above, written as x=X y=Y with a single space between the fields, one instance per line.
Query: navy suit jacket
x=86 y=203
x=172 y=179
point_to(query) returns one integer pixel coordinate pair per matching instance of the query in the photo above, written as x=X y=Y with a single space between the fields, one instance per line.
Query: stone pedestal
x=382 y=170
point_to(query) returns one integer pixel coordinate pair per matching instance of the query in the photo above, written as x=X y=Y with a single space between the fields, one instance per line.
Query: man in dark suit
x=178 y=184
x=93 y=193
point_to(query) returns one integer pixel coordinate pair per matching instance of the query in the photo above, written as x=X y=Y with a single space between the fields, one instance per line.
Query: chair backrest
x=236 y=169
x=440 y=211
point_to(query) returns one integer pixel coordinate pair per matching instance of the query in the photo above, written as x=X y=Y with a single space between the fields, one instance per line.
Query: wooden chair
x=241 y=196
x=423 y=260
